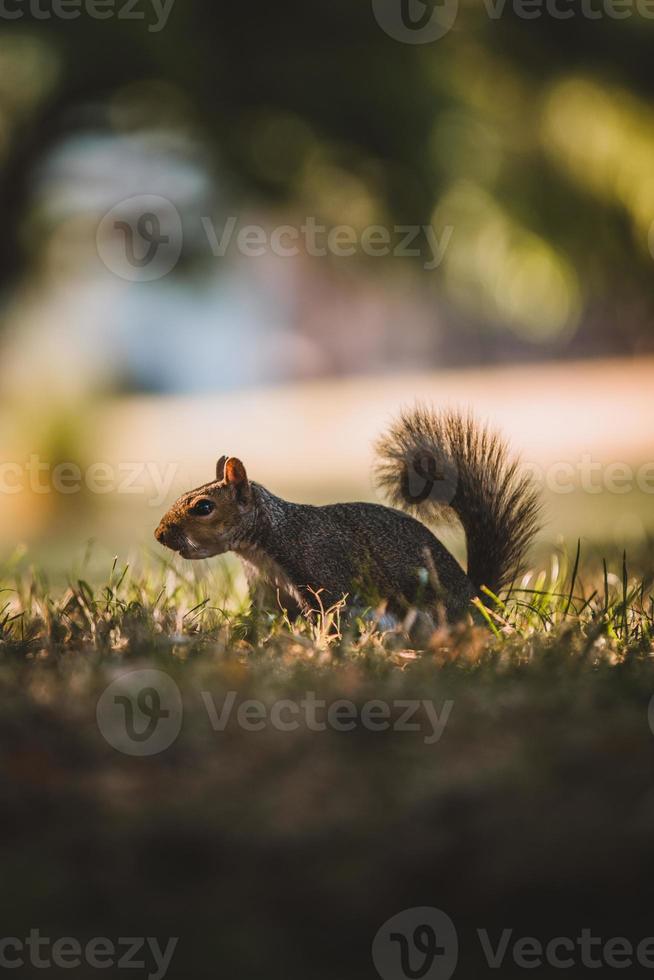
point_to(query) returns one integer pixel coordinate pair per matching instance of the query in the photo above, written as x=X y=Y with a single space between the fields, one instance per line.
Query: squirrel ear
x=235 y=472
x=220 y=469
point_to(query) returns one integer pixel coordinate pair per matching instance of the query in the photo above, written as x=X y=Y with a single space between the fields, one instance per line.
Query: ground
x=518 y=794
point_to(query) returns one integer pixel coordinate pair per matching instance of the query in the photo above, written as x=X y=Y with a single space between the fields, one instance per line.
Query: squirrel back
x=440 y=465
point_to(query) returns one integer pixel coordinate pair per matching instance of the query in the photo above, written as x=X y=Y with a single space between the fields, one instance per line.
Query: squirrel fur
x=432 y=465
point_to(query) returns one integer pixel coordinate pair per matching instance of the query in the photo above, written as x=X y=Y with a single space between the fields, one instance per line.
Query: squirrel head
x=209 y=520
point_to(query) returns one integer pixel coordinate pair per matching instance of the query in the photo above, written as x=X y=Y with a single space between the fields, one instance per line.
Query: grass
x=280 y=853
x=184 y=609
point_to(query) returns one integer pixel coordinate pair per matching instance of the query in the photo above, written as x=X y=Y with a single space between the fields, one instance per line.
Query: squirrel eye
x=202 y=508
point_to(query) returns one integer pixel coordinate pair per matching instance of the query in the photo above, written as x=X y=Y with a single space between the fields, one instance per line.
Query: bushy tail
x=443 y=464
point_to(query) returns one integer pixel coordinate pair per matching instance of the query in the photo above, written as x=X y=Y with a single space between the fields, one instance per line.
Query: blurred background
x=260 y=230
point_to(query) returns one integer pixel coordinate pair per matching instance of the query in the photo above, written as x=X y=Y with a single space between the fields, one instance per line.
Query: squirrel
x=431 y=464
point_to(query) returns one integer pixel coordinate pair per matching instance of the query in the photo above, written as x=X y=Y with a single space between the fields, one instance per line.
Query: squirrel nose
x=160 y=534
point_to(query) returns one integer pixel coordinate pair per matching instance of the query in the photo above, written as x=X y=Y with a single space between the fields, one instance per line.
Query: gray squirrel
x=433 y=465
